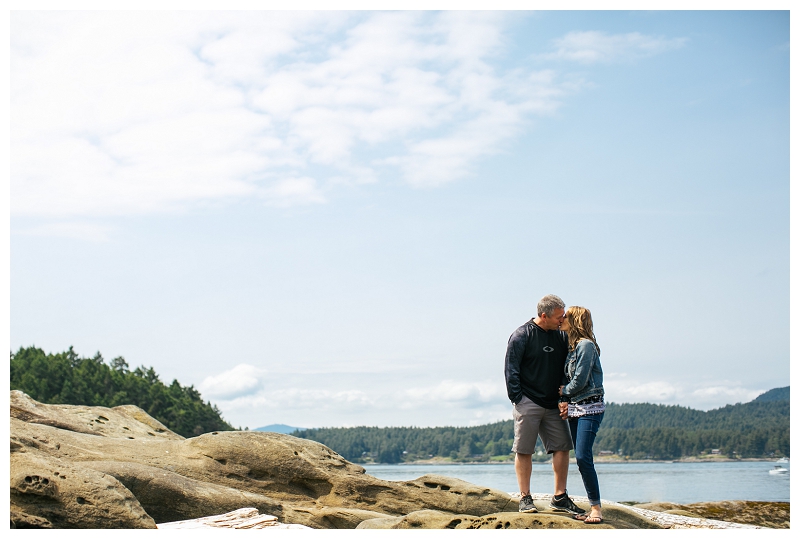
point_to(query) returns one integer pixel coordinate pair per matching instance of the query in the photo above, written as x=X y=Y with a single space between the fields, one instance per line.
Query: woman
x=584 y=396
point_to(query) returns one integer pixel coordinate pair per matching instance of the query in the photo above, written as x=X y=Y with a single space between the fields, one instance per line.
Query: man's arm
x=564 y=379
x=514 y=354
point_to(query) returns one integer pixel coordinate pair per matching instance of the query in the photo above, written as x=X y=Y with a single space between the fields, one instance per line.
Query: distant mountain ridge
x=777 y=394
x=279 y=428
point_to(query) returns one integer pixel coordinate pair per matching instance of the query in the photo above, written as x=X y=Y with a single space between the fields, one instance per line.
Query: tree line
x=66 y=378
x=754 y=429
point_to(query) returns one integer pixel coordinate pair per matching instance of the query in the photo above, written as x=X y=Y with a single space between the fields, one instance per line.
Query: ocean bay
x=677 y=482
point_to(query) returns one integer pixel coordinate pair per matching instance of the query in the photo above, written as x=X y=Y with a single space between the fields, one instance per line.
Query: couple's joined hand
x=563 y=407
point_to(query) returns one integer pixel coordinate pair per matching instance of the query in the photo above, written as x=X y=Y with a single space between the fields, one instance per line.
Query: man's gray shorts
x=531 y=420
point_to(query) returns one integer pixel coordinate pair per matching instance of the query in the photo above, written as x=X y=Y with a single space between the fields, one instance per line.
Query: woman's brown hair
x=580 y=326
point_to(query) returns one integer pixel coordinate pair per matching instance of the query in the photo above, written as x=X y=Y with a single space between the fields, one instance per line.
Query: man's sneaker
x=526 y=505
x=565 y=504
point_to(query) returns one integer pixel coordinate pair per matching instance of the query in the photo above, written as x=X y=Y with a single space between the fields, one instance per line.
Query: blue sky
x=338 y=218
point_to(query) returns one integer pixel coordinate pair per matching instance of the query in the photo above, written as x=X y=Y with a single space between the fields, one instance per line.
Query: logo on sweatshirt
x=548 y=349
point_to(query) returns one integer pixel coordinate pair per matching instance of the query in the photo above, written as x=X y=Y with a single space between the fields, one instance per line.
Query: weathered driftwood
x=247 y=518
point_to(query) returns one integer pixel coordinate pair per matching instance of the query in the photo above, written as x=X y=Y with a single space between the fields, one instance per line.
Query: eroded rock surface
x=120 y=422
x=765 y=514
x=94 y=467
x=439 y=520
x=131 y=471
x=50 y=493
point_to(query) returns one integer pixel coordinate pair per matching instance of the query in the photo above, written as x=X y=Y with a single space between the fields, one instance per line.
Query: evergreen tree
x=753 y=429
x=66 y=378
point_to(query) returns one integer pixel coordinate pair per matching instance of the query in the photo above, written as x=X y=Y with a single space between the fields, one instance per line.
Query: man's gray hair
x=548 y=304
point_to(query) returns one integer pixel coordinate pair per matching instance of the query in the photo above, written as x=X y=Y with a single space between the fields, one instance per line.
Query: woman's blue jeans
x=584 y=430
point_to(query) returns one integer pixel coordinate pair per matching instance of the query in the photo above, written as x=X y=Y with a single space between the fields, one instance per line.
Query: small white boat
x=778 y=470
x=782 y=460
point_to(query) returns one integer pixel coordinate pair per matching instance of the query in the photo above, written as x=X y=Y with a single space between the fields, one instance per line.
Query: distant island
x=280 y=428
x=757 y=429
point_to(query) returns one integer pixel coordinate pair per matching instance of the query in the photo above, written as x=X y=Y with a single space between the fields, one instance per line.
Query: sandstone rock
x=172 y=478
x=21 y=520
x=620 y=516
x=439 y=520
x=451 y=495
x=276 y=473
x=47 y=493
x=122 y=422
x=658 y=506
x=167 y=496
x=332 y=517
x=766 y=514
x=94 y=467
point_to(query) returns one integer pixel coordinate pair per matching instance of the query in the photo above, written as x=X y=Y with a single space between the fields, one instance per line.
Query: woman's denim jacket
x=584 y=372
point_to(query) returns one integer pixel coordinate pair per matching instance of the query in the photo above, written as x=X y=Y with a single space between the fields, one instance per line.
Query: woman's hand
x=563 y=408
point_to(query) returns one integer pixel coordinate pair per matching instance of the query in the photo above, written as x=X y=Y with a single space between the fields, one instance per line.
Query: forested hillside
x=755 y=429
x=65 y=378
x=777 y=394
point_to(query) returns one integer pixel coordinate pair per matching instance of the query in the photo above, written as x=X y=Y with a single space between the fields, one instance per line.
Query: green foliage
x=754 y=429
x=395 y=444
x=777 y=394
x=753 y=414
x=65 y=378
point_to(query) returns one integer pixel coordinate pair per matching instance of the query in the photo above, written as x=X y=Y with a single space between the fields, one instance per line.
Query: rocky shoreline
x=94 y=467
x=442 y=461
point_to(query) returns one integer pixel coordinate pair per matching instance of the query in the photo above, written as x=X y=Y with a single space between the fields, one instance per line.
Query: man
x=534 y=370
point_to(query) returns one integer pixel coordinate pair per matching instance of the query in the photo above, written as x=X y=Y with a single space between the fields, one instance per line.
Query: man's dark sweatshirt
x=535 y=364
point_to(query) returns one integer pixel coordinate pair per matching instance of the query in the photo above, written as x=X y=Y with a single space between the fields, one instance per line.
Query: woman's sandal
x=592 y=520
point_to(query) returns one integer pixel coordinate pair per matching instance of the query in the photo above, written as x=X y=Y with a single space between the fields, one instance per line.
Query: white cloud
x=702 y=396
x=248 y=395
x=281 y=398
x=108 y=120
x=253 y=396
x=591 y=47
x=621 y=389
x=726 y=394
x=453 y=393
x=240 y=381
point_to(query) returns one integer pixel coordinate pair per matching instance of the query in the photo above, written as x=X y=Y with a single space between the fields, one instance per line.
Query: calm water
x=679 y=482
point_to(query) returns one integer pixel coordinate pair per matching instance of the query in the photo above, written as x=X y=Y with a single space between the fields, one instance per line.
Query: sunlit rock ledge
x=94 y=467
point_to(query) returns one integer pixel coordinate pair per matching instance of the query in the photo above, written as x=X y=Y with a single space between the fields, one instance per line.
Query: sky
x=337 y=218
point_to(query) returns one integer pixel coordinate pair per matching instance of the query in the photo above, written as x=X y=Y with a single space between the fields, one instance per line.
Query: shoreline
x=597 y=460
